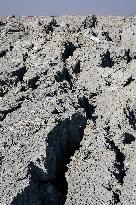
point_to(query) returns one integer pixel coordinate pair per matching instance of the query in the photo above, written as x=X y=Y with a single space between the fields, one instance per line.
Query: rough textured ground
x=68 y=110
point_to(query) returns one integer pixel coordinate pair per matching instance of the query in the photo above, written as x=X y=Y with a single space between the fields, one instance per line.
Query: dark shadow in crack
x=127 y=56
x=69 y=49
x=120 y=171
x=130 y=115
x=30 y=195
x=19 y=74
x=3 y=53
x=3 y=113
x=106 y=60
x=51 y=188
x=128 y=138
x=88 y=108
x=129 y=80
x=41 y=189
x=63 y=141
x=64 y=75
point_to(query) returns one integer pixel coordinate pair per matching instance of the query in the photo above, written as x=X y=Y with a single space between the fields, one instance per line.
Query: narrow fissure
x=129 y=80
x=63 y=141
x=3 y=113
x=116 y=195
x=119 y=163
x=119 y=171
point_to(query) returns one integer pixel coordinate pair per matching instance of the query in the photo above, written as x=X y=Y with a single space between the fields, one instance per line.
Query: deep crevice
x=51 y=188
x=63 y=141
x=120 y=171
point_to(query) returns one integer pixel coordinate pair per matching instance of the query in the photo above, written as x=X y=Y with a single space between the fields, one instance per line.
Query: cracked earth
x=68 y=110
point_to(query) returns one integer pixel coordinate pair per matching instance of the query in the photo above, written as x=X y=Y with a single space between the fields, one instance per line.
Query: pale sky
x=64 y=7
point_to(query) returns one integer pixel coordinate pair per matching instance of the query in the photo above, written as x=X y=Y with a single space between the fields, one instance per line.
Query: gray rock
x=67 y=110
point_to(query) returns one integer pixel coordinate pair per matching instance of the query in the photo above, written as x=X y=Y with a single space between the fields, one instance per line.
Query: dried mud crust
x=68 y=110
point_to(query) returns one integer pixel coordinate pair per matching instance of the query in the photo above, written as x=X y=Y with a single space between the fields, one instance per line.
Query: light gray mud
x=68 y=110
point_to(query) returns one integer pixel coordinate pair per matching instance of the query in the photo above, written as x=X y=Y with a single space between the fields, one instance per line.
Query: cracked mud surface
x=68 y=110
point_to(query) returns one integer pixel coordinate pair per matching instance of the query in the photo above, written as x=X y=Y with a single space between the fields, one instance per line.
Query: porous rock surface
x=68 y=110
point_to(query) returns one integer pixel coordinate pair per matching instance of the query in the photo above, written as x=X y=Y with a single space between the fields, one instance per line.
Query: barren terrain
x=68 y=110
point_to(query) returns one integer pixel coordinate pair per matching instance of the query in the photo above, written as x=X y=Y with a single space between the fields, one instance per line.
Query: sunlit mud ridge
x=68 y=110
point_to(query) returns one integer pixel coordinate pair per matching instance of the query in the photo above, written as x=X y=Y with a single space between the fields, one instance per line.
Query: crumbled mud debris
x=68 y=110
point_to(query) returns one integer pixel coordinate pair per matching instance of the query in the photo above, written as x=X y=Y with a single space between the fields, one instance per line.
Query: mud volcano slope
x=68 y=110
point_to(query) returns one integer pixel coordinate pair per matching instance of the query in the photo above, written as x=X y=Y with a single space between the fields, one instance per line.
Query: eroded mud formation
x=68 y=110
